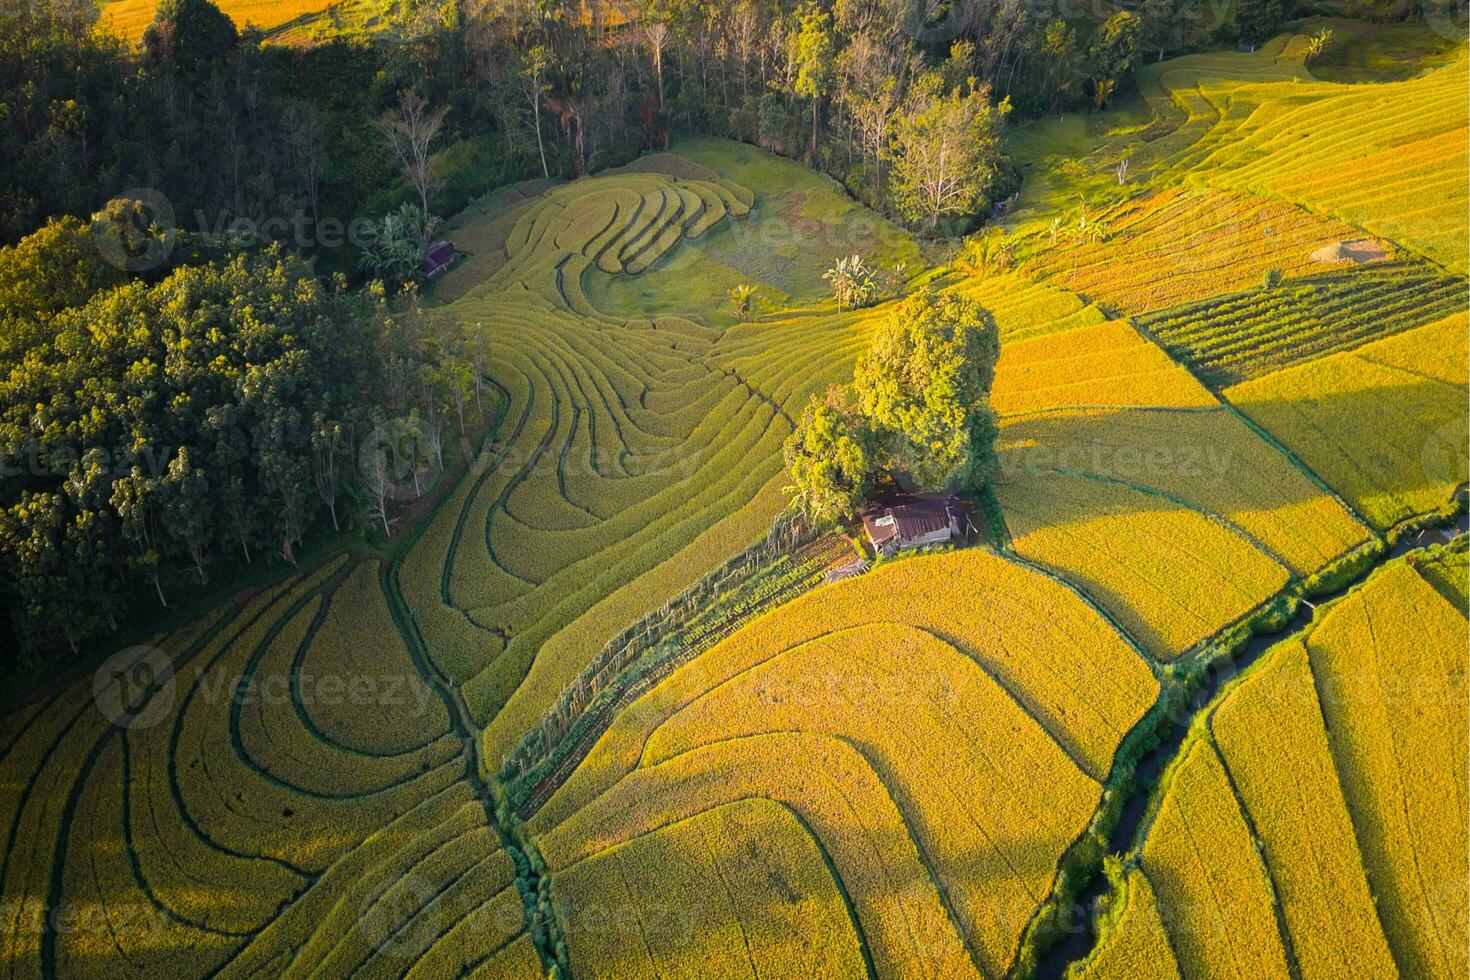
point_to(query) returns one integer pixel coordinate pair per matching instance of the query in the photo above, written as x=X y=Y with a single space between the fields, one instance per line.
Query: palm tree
x=741 y=296
x=1317 y=44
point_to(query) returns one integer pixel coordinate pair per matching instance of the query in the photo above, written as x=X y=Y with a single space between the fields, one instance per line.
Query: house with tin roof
x=905 y=523
x=437 y=258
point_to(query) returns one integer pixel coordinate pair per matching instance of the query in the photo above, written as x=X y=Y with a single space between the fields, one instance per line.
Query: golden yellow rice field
x=739 y=890
x=1135 y=945
x=1317 y=813
x=1300 y=817
x=1391 y=665
x=1109 y=365
x=130 y=18
x=1205 y=870
x=1123 y=474
x=1170 y=575
x=289 y=793
x=853 y=706
x=1175 y=246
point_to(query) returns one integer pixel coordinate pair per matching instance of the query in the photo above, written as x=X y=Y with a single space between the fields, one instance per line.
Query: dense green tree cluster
x=267 y=141
x=876 y=92
x=861 y=88
x=918 y=409
x=148 y=427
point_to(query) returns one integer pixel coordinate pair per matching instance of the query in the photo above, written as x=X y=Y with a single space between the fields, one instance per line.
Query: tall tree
x=1112 y=51
x=656 y=36
x=534 y=85
x=924 y=387
x=874 y=73
x=814 y=51
x=831 y=459
x=191 y=34
x=1257 y=20
x=947 y=150
x=306 y=150
x=410 y=130
x=1059 y=57
x=188 y=509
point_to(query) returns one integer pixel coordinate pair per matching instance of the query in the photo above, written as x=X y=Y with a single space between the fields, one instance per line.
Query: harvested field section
x=1391 y=158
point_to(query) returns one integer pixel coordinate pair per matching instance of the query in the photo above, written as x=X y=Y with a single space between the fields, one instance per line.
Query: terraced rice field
x=881 y=776
x=797 y=227
x=1384 y=425
x=282 y=792
x=627 y=463
x=1388 y=158
x=1315 y=823
x=745 y=878
x=1024 y=308
x=852 y=707
x=635 y=455
x=1121 y=473
x=1237 y=337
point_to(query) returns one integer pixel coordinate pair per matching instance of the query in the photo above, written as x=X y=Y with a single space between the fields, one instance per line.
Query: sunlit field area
x=654 y=513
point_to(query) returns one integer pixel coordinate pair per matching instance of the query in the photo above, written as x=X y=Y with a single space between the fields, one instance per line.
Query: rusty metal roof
x=908 y=520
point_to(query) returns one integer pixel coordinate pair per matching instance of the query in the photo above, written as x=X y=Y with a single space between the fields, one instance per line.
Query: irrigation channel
x=1081 y=937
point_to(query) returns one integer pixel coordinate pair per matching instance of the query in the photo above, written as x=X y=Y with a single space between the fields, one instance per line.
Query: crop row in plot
x=275 y=777
x=1235 y=338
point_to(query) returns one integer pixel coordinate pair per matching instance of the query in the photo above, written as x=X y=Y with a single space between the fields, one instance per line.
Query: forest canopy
x=147 y=427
